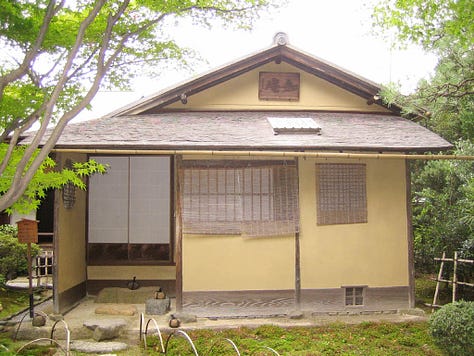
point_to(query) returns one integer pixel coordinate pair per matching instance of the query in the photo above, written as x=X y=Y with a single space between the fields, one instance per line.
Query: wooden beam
x=285 y=154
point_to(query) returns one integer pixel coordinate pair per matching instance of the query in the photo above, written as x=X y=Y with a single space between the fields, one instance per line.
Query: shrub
x=452 y=328
x=13 y=255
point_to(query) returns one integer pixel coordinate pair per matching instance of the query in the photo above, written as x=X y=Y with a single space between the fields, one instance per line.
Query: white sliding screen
x=129 y=211
x=108 y=202
x=149 y=200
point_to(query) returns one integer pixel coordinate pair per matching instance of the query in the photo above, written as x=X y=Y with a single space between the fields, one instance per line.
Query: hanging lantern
x=69 y=190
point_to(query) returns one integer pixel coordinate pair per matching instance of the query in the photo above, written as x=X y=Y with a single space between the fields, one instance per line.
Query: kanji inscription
x=279 y=86
x=27 y=231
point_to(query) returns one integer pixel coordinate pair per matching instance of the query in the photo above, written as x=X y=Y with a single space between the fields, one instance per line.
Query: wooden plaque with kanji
x=27 y=231
x=279 y=86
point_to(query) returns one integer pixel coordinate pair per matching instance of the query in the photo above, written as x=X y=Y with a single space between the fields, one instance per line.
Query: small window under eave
x=297 y=125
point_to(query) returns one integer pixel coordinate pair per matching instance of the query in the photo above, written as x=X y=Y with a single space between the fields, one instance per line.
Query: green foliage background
x=13 y=255
x=443 y=191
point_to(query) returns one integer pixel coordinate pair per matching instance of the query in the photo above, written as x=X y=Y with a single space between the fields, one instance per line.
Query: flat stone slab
x=125 y=295
x=296 y=314
x=157 y=306
x=117 y=309
x=105 y=329
x=98 y=347
x=185 y=317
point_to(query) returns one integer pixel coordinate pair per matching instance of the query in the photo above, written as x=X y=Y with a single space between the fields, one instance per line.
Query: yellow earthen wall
x=223 y=263
x=71 y=236
x=373 y=253
x=241 y=93
x=128 y=272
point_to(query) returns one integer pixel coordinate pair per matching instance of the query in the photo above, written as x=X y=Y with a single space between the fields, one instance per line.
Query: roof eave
x=290 y=148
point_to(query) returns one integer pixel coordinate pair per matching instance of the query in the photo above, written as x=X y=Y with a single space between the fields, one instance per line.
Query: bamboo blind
x=341 y=193
x=251 y=198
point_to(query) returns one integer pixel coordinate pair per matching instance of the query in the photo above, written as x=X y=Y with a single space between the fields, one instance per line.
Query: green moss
x=334 y=339
x=12 y=301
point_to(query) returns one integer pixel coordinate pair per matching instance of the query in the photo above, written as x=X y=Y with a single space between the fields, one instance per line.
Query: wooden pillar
x=411 y=254
x=297 y=250
x=178 y=172
x=455 y=276
x=297 y=272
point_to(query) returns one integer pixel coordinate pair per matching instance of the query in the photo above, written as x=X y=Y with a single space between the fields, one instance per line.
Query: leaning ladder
x=454 y=282
x=438 y=280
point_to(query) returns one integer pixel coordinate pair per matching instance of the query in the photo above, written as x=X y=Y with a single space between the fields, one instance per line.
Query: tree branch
x=17 y=73
x=22 y=177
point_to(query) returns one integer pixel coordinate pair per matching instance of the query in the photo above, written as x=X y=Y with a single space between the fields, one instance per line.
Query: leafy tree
x=444 y=209
x=57 y=54
x=444 y=102
x=13 y=254
x=427 y=22
x=445 y=28
x=443 y=191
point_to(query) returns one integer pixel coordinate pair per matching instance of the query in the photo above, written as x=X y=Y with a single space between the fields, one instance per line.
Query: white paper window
x=149 y=200
x=108 y=202
x=129 y=210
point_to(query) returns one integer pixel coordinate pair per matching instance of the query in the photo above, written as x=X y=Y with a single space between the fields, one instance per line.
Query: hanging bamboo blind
x=240 y=197
x=341 y=193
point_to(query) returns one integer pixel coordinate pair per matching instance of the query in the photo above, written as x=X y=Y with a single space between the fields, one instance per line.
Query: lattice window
x=237 y=197
x=341 y=194
x=354 y=296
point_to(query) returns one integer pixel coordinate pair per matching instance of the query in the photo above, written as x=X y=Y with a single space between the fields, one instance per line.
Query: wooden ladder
x=438 y=280
x=454 y=281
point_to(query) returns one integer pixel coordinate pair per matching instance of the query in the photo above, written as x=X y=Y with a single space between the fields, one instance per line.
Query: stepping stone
x=296 y=314
x=125 y=295
x=97 y=347
x=117 y=309
x=157 y=306
x=185 y=317
x=105 y=329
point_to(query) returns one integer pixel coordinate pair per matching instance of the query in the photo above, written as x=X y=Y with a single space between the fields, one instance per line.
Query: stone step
x=93 y=347
x=105 y=329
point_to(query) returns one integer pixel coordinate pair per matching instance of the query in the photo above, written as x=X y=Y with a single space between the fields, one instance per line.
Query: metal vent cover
x=293 y=125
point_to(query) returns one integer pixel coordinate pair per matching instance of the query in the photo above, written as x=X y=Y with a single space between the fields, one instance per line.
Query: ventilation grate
x=285 y=125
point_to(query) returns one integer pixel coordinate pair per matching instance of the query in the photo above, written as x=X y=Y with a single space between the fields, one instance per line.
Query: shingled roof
x=251 y=130
x=150 y=124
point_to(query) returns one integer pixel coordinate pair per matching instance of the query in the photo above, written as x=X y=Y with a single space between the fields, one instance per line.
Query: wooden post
x=297 y=272
x=411 y=253
x=28 y=233
x=297 y=248
x=179 y=233
x=56 y=263
x=30 y=280
x=455 y=277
